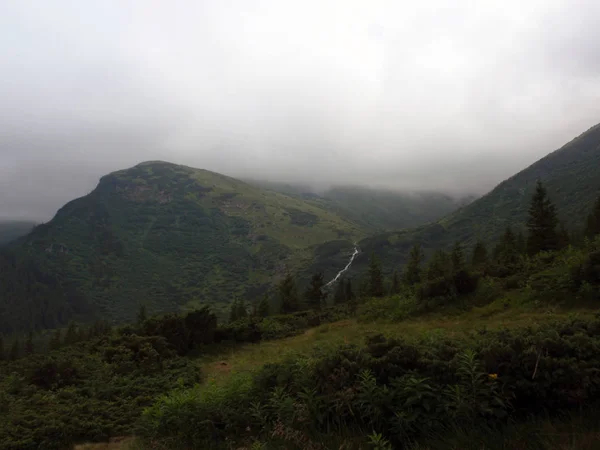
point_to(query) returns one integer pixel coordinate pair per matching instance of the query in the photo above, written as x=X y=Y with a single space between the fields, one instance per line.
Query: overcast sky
x=430 y=94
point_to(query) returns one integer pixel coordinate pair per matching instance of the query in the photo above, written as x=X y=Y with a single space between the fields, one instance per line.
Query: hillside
x=375 y=209
x=13 y=229
x=165 y=236
x=570 y=174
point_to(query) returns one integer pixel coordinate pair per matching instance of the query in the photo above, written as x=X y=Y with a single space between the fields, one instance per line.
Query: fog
x=436 y=95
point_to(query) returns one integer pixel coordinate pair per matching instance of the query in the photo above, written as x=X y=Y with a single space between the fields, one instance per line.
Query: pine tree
x=349 y=293
x=55 y=341
x=288 y=295
x=593 y=221
x=412 y=272
x=479 y=259
x=542 y=222
x=72 y=334
x=395 y=288
x=2 y=355
x=314 y=295
x=14 y=351
x=457 y=258
x=29 y=344
x=506 y=252
x=242 y=310
x=141 y=316
x=339 y=295
x=375 y=277
x=263 y=306
x=233 y=312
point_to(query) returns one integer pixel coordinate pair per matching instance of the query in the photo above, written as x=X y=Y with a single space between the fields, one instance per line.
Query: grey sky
x=432 y=94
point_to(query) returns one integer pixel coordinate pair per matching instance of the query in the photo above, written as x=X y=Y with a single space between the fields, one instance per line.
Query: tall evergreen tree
x=592 y=227
x=542 y=222
x=29 y=344
x=15 y=350
x=439 y=265
x=141 y=316
x=457 y=258
x=350 y=297
x=479 y=259
x=314 y=295
x=412 y=271
x=339 y=296
x=506 y=252
x=263 y=306
x=288 y=295
x=375 y=277
x=395 y=287
x=55 y=341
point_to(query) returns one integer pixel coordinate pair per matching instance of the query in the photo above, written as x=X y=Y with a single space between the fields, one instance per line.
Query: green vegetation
x=171 y=237
x=13 y=229
x=571 y=182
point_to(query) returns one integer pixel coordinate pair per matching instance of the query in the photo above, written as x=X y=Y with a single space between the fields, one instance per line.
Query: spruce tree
x=314 y=295
x=29 y=344
x=339 y=295
x=263 y=307
x=412 y=271
x=55 y=341
x=542 y=222
x=375 y=277
x=457 y=258
x=288 y=295
x=592 y=227
x=479 y=259
x=349 y=293
x=439 y=265
x=141 y=316
x=14 y=350
x=395 y=287
x=233 y=312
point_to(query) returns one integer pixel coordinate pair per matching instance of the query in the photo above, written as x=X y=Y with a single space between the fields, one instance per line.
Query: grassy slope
x=172 y=236
x=13 y=229
x=570 y=175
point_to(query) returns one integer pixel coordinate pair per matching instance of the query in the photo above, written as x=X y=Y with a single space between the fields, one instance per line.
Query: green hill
x=570 y=174
x=166 y=236
x=13 y=229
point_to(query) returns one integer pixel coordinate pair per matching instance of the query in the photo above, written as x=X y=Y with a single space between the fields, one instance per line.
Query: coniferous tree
x=506 y=253
x=350 y=297
x=55 y=341
x=592 y=227
x=314 y=295
x=141 y=316
x=14 y=351
x=29 y=344
x=288 y=295
x=395 y=287
x=412 y=272
x=542 y=222
x=457 y=258
x=72 y=334
x=439 y=265
x=375 y=277
x=242 y=311
x=339 y=296
x=263 y=307
x=479 y=259
x=233 y=312
x=2 y=355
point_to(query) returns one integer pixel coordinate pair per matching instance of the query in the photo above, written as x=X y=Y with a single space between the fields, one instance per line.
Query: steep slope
x=169 y=237
x=13 y=229
x=375 y=209
x=571 y=175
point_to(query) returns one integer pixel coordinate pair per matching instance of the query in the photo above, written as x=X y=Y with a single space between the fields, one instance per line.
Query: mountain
x=571 y=175
x=168 y=237
x=13 y=229
x=375 y=209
